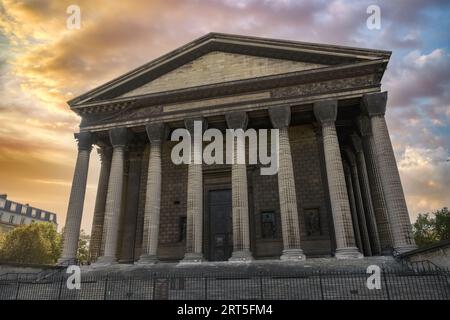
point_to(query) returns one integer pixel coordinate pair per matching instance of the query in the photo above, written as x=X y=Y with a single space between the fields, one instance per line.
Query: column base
x=405 y=248
x=241 y=256
x=147 y=259
x=104 y=261
x=66 y=261
x=293 y=255
x=348 y=253
x=191 y=257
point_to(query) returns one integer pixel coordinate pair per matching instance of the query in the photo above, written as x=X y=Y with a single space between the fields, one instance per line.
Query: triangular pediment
x=221 y=58
x=216 y=67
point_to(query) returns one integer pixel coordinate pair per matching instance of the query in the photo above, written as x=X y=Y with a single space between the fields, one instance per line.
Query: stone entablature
x=328 y=198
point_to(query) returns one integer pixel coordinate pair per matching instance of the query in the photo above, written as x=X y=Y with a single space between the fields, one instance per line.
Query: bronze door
x=221 y=231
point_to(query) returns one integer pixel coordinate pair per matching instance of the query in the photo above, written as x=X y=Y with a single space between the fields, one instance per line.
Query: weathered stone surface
x=217 y=67
x=326 y=112
x=95 y=244
x=76 y=200
x=375 y=105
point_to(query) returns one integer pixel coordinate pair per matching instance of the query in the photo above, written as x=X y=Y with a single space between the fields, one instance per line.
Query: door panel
x=221 y=236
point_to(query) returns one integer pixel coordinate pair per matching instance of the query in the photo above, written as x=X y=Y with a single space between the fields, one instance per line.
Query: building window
x=2 y=203
x=13 y=207
x=312 y=222
x=33 y=212
x=11 y=219
x=50 y=217
x=22 y=221
x=268 y=225
x=24 y=210
x=42 y=214
x=182 y=229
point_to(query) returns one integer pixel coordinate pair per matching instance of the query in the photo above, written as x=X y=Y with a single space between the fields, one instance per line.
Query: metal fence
x=301 y=285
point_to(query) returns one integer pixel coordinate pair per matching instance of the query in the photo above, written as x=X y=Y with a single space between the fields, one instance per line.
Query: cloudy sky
x=43 y=64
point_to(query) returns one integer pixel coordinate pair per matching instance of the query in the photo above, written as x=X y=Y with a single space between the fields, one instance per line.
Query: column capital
x=363 y=125
x=119 y=137
x=105 y=153
x=189 y=124
x=374 y=104
x=85 y=140
x=325 y=111
x=280 y=116
x=237 y=120
x=156 y=132
x=356 y=142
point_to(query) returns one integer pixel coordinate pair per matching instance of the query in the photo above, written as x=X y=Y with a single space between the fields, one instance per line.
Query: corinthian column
x=118 y=137
x=156 y=134
x=376 y=188
x=356 y=189
x=374 y=106
x=281 y=118
x=194 y=215
x=105 y=153
x=76 y=200
x=241 y=233
x=366 y=195
x=353 y=209
x=326 y=112
x=129 y=222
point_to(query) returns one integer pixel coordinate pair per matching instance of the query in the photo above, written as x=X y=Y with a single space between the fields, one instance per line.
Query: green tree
x=38 y=243
x=83 y=256
x=431 y=228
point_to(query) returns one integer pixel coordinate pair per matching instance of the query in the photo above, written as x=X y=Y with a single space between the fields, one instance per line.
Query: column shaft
x=367 y=197
x=76 y=200
x=376 y=188
x=360 y=210
x=392 y=187
x=375 y=107
x=353 y=209
x=100 y=204
x=280 y=118
x=240 y=217
x=326 y=112
x=114 y=197
x=194 y=214
x=156 y=134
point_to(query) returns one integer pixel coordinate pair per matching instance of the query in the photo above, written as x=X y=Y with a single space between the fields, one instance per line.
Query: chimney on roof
x=4 y=195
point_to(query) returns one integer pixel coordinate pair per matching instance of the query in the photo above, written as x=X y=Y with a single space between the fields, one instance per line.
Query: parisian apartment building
x=14 y=214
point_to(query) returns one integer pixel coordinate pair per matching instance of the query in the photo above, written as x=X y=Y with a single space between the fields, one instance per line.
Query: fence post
x=261 y=290
x=60 y=288
x=385 y=275
x=206 y=287
x=154 y=286
x=17 y=289
x=106 y=288
x=320 y=284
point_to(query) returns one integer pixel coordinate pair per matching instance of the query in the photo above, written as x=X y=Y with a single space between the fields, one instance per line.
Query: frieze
x=325 y=86
x=129 y=113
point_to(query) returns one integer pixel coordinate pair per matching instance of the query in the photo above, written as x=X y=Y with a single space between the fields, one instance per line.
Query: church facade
x=337 y=191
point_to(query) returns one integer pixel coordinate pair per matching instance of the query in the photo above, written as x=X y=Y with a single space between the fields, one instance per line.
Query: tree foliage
x=431 y=228
x=83 y=256
x=38 y=243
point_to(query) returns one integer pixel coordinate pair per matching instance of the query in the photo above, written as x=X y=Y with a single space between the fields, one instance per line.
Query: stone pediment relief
x=217 y=67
